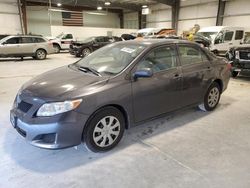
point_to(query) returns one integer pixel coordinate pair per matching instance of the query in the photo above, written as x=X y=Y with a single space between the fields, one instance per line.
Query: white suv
x=25 y=45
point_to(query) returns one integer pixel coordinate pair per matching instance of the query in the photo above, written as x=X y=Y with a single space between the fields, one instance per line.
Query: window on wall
x=190 y=55
x=160 y=59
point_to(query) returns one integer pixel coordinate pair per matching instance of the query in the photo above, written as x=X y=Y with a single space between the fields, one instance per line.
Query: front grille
x=245 y=55
x=24 y=106
x=21 y=132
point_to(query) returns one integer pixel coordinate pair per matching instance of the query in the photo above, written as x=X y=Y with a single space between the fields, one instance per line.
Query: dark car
x=116 y=87
x=240 y=58
x=84 y=48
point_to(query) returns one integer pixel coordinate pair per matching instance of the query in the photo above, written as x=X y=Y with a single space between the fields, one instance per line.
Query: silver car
x=23 y=46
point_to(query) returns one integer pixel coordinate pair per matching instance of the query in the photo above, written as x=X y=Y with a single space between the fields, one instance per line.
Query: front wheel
x=56 y=48
x=86 y=52
x=41 y=54
x=211 y=98
x=105 y=130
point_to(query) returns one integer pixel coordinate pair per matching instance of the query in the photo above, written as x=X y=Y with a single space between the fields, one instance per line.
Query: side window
x=159 y=59
x=14 y=40
x=239 y=35
x=26 y=40
x=68 y=36
x=106 y=39
x=190 y=55
x=39 y=40
x=99 y=39
x=228 y=36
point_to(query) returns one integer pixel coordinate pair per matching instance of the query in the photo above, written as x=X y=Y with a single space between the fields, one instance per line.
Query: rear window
x=39 y=40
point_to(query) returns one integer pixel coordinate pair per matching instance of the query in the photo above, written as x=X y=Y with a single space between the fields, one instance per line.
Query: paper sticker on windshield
x=128 y=50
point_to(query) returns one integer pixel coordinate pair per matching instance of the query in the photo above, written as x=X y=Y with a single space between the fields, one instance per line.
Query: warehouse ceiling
x=115 y=4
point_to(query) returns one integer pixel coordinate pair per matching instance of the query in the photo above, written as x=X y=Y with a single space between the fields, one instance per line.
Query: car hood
x=63 y=83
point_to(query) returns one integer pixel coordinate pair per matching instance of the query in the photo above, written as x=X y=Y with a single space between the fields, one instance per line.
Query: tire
x=56 y=48
x=234 y=74
x=85 y=52
x=215 y=52
x=211 y=98
x=98 y=135
x=41 y=54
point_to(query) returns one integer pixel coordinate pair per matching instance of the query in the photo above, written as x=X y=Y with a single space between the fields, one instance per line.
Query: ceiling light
x=99 y=8
x=107 y=3
x=59 y=4
x=144 y=6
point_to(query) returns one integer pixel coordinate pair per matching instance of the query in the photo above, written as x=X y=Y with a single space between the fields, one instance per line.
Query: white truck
x=222 y=37
x=62 y=41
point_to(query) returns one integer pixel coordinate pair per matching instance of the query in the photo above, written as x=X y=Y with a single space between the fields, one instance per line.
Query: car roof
x=157 y=42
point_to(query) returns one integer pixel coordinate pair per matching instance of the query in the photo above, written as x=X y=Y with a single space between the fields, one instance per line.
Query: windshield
x=59 y=36
x=111 y=59
x=89 y=39
x=209 y=35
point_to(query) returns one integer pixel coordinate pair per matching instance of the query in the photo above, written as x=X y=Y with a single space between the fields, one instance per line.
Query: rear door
x=27 y=45
x=160 y=93
x=196 y=73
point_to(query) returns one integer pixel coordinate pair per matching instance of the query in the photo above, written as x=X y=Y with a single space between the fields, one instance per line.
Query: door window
x=68 y=36
x=228 y=36
x=190 y=55
x=14 y=40
x=159 y=59
x=26 y=40
x=239 y=35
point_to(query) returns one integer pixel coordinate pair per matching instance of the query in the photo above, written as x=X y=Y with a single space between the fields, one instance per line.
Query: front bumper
x=56 y=132
x=241 y=66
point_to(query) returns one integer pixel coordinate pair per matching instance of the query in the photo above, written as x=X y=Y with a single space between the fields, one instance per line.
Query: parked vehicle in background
x=155 y=32
x=84 y=48
x=116 y=87
x=62 y=41
x=3 y=36
x=25 y=45
x=240 y=58
x=222 y=37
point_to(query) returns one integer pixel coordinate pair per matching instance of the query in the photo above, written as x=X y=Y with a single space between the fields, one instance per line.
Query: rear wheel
x=234 y=74
x=104 y=130
x=211 y=98
x=41 y=54
x=85 y=52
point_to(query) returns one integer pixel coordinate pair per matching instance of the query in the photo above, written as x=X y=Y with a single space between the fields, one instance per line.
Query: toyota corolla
x=116 y=87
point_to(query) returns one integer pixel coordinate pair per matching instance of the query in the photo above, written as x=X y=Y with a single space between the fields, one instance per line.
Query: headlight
x=237 y=55
x=51 y=109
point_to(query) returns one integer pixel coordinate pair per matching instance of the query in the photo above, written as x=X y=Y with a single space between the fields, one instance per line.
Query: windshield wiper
x=89 y=69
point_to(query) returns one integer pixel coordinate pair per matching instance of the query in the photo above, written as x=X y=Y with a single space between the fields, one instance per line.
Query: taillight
x=229 y=66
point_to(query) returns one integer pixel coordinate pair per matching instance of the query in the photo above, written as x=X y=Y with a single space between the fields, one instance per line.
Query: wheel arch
x=220 y=83
x=56 y=43
x=42 y=49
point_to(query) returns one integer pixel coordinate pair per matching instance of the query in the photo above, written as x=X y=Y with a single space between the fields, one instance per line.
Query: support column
x=220 y=13
x=142 y=20
x=175 y=14
x=24 y=15
x=121 y=16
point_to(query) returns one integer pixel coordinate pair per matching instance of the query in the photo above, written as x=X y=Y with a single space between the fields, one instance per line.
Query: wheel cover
x=213 y=97
x=41 y=54
x=106 y=131
x=86 y=52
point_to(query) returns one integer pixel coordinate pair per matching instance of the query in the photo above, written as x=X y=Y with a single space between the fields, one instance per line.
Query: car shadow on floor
x=20 y=60
x=50 y=161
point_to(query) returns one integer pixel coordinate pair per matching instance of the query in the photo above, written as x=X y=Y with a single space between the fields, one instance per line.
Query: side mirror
x=143 y=73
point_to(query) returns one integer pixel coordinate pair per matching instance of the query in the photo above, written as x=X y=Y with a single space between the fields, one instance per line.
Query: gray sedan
x=116 y=87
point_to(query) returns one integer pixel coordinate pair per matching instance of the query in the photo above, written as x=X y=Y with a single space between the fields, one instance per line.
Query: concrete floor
x=190 y=149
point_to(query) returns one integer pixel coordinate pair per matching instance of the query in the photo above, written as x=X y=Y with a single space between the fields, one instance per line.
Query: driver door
x=11 y=46
x=160 y=93
x=225 y=42
x=66 y=41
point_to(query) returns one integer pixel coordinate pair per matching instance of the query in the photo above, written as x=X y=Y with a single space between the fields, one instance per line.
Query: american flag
x=72 y=18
